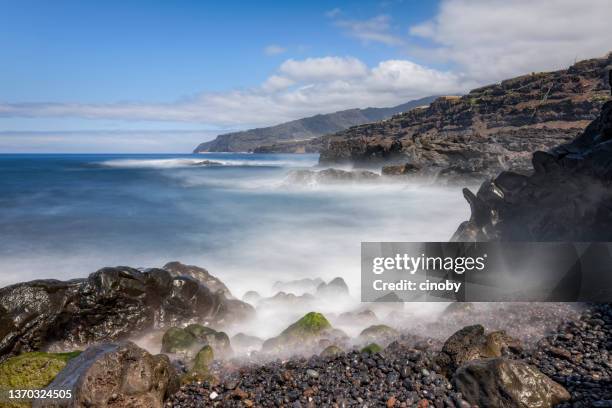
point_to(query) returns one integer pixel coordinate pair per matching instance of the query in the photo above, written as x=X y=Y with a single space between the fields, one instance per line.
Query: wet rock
x=201 y=275
x=331 y=351
x=566 y=198
x=177 y=340
x=499 y=382
x=335 y=287
x=119 y=374
x=372 y=348
x=379 y=332
x=110 y=304
x=471 y=343
x=330 y=176
x=306 y=331
x=251 y=297
x=400 y=169
x=298 y=286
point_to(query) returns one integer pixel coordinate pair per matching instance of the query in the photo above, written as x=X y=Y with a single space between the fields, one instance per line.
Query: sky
x=163 y=76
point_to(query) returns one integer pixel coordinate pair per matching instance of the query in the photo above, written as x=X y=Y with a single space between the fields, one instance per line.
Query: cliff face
x=568 y=197
x=489 y=130
x=291 y=137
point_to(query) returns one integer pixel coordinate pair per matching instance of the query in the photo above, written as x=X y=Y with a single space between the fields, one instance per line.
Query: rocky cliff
x=567 y=197
x=292 y=137
x=489 y=130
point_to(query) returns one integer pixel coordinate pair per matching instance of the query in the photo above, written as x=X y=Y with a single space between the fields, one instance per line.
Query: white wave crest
x=199 y=162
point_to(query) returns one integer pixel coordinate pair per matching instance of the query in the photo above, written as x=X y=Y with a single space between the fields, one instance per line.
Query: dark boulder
x=114 y=375
x=566 y=198
x=111 y=304
x=471 y=343
x=213 y=284
x=504 y=383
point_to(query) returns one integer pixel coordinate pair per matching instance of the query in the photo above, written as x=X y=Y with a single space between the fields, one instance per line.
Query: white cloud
x=325 y=68
x=277 y=83
x=300 y=88
x=374 y=30
x=274 y=49
x=491 y=40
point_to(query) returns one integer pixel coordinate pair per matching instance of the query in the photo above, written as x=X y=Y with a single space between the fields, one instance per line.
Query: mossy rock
x=331 y=351
x=199 y=332
x=304 y=331
x=379 y=331
x=312 y=324
x=203 y=359
x=199 y=371
x=372 y=348
x=32 y=371
x=177 y=340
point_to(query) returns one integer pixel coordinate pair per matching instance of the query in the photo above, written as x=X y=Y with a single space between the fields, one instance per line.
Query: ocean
x=65 y=216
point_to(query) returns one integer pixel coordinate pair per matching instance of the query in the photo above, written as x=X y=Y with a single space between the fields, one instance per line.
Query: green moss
x=200 y=371
x=372 y=348
x=177 y=340
x=199 y=331
x=204 y=357
x=32 y=371
x=310 y=325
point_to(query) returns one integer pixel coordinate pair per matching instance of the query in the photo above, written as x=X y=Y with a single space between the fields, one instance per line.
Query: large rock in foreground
x=470 y=343
x=114 y=375
x=111 y=304
x=503 y=383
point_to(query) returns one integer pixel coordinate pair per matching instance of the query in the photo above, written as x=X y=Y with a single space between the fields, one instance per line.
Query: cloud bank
x=299 y=88
x=476 y=41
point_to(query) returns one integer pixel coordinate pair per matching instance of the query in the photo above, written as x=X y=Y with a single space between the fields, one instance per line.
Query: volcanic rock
x=491 y=129
x=213 y=284
x=111 y=304
x=114 y=375
x=504 y=383
x=329 y=176
x=566 y=198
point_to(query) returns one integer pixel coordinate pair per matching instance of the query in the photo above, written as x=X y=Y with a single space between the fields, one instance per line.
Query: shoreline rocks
x=118 y=375
x=111 y=304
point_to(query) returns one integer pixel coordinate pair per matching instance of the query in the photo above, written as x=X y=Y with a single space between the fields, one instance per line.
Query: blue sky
x=161 y=75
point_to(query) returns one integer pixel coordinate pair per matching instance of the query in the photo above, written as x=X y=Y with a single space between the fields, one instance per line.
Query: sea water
x=65 y=216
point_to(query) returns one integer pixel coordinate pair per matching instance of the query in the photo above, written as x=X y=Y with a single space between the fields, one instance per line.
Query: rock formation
x=504 y=383
x=114 y=375
x=491 y=129
x=566 y=198
x=111 y=304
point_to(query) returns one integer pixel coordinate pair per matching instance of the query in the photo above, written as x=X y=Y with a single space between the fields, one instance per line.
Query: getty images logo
x=412 y=264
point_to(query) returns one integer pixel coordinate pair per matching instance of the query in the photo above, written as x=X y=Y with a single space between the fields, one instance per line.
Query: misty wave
x=174 y=163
